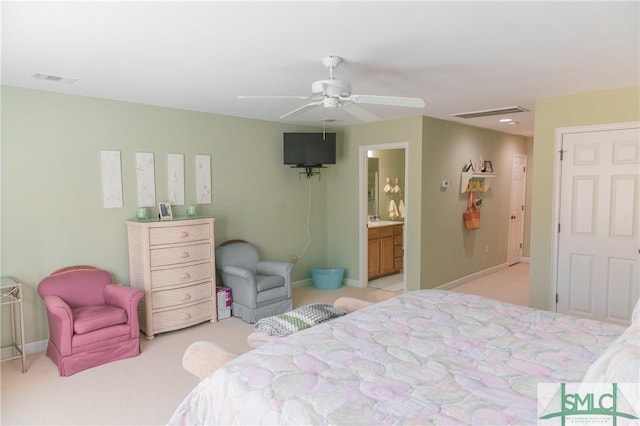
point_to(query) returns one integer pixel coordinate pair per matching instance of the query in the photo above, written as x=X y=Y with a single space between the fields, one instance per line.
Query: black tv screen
x=309 y=149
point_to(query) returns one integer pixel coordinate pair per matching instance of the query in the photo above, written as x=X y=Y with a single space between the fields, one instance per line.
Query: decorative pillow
x=620 y=362
x=300 y=318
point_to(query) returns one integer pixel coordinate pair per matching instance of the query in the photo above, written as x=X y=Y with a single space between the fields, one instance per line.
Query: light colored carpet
x=145 y=390
x=507 y=285
x=390 y=283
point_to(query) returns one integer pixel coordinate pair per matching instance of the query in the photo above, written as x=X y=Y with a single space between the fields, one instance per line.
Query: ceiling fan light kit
x=334 y=93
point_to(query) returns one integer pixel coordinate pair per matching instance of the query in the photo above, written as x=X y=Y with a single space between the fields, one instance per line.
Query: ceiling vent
x=57 y=78
x=489 y=112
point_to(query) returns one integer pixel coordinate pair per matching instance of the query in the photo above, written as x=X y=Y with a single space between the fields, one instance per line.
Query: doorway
x=384 y=204
x=516 y=209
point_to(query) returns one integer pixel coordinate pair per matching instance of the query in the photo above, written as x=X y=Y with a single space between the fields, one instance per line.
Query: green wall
x=610 y=106
x=343 y=222
x=449 y=251
x=52 y=214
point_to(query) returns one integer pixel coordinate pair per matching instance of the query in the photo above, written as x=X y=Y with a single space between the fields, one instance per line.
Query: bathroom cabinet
x=386 y=250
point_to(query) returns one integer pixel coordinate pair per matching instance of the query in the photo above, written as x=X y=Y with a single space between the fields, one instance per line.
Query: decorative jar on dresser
x=173 y=263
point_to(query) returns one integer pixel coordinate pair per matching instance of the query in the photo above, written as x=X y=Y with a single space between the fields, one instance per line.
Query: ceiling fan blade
x=273 y=97
x=387 y=100
x=359 y=112
x=301 y=109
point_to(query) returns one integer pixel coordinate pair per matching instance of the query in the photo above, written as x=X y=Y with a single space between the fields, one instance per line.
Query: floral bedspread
x=424 y=357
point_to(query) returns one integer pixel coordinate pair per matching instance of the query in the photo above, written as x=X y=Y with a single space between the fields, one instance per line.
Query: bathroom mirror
x=373 y=183
x=385 y=184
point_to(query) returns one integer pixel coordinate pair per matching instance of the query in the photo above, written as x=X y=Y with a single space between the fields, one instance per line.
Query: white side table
x=11 y=294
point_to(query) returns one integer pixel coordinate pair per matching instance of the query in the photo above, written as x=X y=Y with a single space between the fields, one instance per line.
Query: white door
x=516 y=211
x=598 y=241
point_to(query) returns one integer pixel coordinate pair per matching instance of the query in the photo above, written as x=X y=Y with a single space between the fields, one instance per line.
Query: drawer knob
x=187 y=316
x=184 y=234
x=186 y=276
x=184 y=255
x=187 y=296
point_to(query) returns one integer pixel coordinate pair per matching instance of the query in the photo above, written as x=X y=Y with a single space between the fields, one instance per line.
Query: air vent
x=488 y=112
x=56 y=78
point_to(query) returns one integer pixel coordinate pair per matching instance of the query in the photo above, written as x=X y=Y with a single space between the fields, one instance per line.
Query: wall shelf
x=475 y=181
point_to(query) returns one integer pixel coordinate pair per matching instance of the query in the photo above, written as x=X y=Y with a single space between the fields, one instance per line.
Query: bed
x=424 y=357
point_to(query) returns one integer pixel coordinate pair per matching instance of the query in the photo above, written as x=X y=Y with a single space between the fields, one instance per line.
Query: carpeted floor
x=145 y=390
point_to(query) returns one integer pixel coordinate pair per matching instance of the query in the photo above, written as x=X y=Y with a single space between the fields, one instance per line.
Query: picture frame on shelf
x=488 y=167
x=165 y=211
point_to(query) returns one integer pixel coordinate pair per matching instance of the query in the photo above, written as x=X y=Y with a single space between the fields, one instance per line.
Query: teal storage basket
x=327 y=279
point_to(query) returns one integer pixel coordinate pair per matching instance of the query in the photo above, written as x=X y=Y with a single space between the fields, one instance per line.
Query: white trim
x=308 y=282
x=301 y=283
x=471 y=277
x=557 y=183
x=30 y=348
x=363 y=212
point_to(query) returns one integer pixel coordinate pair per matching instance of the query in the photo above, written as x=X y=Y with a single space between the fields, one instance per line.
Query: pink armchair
x=91 y=321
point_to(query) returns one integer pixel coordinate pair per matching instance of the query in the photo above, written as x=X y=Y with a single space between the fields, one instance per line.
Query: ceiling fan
x=334 y=93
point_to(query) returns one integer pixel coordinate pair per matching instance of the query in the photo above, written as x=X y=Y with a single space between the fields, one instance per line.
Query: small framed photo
x=488 y=167
x=165 y=211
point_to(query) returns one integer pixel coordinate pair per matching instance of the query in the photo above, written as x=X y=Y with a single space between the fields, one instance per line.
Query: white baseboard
x=301 y=283
x=353 y=283
x=471 y=277
x=307 y=282
x=30 y=348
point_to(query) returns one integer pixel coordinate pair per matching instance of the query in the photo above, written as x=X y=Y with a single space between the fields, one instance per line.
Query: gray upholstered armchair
x=258 y=288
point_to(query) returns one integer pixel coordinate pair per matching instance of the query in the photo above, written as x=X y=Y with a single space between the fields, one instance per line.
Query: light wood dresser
x=173 y=263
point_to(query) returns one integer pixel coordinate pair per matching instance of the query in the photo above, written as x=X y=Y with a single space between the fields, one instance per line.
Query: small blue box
x=327 y=279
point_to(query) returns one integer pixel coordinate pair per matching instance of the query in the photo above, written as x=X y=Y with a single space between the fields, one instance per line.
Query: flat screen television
x=309 y=149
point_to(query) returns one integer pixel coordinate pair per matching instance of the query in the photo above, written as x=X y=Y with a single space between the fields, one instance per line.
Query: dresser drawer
x=182 y=275
x=176 y=255
x=179 y=234
x=179 y=296
x=177 y=318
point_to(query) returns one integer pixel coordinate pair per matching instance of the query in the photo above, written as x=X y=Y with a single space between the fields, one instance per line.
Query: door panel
x=599 y=240
x=516 y=220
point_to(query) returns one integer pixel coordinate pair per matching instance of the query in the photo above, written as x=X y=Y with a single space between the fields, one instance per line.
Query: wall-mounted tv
x=309 y=149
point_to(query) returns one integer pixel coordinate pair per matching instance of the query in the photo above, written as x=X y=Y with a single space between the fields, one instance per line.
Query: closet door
x=599 y=242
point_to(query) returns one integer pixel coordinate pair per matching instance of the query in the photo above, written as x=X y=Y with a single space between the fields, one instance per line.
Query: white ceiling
x=457 y=56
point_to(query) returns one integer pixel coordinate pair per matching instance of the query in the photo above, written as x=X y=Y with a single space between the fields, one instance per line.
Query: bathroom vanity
x=386 y=252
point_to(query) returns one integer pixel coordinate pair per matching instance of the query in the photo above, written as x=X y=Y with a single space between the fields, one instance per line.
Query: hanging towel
x=401 y=209
x=393 y=210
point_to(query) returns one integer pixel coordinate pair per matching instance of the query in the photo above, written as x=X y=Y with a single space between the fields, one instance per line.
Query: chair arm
x=242 y=283
x=239 y=272
x=270 y=267
x=60 y=319
x=267 y=267
x=126 y=298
